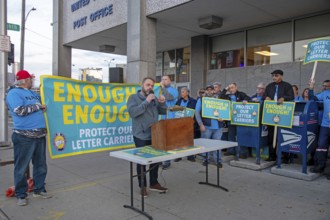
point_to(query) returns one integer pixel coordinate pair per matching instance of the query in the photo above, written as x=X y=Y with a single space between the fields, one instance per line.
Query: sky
x=38 y=42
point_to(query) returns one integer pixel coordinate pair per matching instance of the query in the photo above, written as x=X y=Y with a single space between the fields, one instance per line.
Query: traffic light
x=11 y=54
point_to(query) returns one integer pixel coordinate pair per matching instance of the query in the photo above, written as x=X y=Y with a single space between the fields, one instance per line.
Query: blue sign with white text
x=318 y=50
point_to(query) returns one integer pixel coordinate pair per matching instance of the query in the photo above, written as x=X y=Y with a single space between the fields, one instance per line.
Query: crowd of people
x=278 y=90
x=144 y=108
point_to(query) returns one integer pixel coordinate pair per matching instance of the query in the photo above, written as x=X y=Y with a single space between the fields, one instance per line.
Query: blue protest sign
x=187 y=112
x=85 y=117
x=245 y=115
x=216 y=108
x=318 y=50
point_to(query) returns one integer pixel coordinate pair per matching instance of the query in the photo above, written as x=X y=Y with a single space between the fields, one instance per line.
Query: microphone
x=152 y=101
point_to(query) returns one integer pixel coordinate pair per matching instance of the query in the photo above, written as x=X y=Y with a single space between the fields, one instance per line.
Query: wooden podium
x=173 y=133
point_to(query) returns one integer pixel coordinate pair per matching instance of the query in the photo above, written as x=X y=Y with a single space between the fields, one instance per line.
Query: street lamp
x=109 y=62
x=23 y=21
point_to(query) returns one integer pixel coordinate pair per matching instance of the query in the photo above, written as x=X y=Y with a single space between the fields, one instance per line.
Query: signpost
x=4 y=43
x=13 y=27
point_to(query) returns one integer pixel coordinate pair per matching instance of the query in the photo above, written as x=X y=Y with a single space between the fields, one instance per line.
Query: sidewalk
x=95 y=186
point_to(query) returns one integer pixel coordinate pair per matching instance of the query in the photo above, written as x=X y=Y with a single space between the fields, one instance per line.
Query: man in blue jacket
x=29 y=137
x=210 y=128
x=324 y=135
x=171 y=96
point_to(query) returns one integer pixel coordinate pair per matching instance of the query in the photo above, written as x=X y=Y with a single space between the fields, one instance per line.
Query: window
x=169 y=64
x=183 y=65
x=269 y=45
x=227 y=51
x=308 y=29
x=159 y=66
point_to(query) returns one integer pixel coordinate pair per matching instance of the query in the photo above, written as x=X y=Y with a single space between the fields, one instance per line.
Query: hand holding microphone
x=151 y=97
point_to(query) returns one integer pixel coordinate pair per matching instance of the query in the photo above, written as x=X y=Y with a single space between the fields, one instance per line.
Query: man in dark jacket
x=231 y=93
x=279 y=91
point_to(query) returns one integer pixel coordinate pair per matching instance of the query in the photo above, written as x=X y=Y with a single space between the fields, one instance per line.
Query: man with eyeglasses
x=324 y=134
x=326 y=85
x=279 y=91
x=259 y=94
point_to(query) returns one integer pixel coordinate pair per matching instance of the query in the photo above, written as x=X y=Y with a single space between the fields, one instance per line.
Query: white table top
x=202 y=145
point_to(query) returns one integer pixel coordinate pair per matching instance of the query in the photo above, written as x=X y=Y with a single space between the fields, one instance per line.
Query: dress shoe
x=316 y=169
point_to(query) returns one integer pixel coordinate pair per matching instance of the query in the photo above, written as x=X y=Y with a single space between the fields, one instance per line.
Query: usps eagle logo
x=289 y=137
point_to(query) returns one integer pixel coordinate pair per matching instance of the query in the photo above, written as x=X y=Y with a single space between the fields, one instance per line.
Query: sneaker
x=205 y=163
x=144 y=192
x=158 y=188
x=166 y=166
x=177 y=159
x=43 y=195
x=22 y=201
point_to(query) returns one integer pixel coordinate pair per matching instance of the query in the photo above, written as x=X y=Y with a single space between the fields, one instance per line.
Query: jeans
x=232 y=133
x=321 y=152
x=213 y=134
x=153 y=173
x=25 y=150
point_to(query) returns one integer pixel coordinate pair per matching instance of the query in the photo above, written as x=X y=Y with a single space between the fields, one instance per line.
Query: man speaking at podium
x=144 y=108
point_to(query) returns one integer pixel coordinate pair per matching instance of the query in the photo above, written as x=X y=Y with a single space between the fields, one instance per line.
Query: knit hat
x=23 y=74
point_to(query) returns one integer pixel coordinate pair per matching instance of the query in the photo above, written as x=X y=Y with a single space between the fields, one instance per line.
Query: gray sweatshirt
x=144 y=114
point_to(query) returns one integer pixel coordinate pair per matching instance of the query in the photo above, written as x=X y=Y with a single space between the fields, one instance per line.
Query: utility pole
x=23 y=21
x=4 y=141
x=22 y=36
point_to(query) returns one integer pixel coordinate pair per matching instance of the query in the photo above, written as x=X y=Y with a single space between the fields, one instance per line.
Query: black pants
x=272 y=150
x=153 y=173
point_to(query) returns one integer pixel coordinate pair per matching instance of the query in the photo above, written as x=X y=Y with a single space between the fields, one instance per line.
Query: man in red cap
x=29 y=137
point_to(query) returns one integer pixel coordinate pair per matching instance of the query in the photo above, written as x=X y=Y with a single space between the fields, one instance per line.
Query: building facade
x=196 y=42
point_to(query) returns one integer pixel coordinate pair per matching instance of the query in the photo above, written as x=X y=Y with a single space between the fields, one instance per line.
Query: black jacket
x=284 y=91
x=240 y=96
